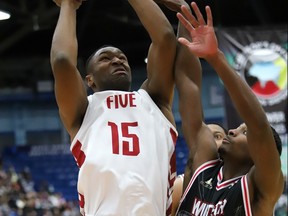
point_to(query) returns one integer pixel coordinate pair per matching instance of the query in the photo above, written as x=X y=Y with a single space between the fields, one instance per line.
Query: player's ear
x=90 y=81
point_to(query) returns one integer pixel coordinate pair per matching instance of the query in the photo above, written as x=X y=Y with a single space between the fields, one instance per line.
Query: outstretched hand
x=174 y=5
x=76 y=3
x=204 y=42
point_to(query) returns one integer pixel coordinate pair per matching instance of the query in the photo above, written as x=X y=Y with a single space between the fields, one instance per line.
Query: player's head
x=108 y=69
x=219 y=132
x=235 y=144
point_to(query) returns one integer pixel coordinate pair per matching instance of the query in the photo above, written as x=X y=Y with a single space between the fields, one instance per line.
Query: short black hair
x=91 y=56
x=218 y=124
x=277 y=140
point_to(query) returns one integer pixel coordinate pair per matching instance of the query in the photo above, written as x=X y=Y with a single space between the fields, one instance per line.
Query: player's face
x=111 y=70
x=218 y=133
x=235 y=144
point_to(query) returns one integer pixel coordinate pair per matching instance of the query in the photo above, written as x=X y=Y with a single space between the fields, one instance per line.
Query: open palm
x=204 y=42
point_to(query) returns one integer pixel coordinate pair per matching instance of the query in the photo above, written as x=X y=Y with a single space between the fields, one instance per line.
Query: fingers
x=198 y=14
x=189 y=16
x=185 y=22
x=200 y=19
x=184 y=41
x=209 y=16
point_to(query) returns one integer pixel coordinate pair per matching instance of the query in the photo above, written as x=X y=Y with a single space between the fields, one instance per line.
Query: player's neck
x=232 y=170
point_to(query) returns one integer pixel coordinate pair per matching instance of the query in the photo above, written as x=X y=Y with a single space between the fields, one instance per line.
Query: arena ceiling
x=25 y=38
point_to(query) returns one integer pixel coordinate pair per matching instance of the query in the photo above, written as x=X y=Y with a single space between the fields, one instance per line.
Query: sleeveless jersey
x=208 y=195
x=125 y=151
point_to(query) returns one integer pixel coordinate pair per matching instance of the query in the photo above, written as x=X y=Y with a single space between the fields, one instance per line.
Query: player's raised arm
x=188 y=76
x=70 y=90
x=265 y=178
x=161 y=54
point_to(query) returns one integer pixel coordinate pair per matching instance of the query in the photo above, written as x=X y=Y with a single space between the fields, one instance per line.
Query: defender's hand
x=204 y=42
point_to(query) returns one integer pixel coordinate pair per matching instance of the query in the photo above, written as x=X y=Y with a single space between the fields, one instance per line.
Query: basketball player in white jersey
x=121 y=140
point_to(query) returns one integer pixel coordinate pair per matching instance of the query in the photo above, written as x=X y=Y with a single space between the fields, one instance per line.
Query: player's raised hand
x=204 y=42
x=76 y=3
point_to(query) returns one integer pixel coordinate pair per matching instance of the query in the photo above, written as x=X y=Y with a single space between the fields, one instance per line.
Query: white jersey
x=124 y=150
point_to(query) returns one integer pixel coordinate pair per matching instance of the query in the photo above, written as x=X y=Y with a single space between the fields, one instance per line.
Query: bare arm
x=198 y=136
x=177 y=193
x=160 y=80
x=185 y=60
x=265 y=177
x=70 y=90
x=188 y=77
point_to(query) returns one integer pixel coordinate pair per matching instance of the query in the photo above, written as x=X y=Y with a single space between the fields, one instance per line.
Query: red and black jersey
x=208 y=195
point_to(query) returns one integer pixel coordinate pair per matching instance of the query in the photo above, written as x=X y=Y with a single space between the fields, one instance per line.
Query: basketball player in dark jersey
x=247 y=180
x=219 y=132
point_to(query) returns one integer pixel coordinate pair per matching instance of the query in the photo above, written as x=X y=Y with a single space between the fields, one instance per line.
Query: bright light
x=4 y=15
